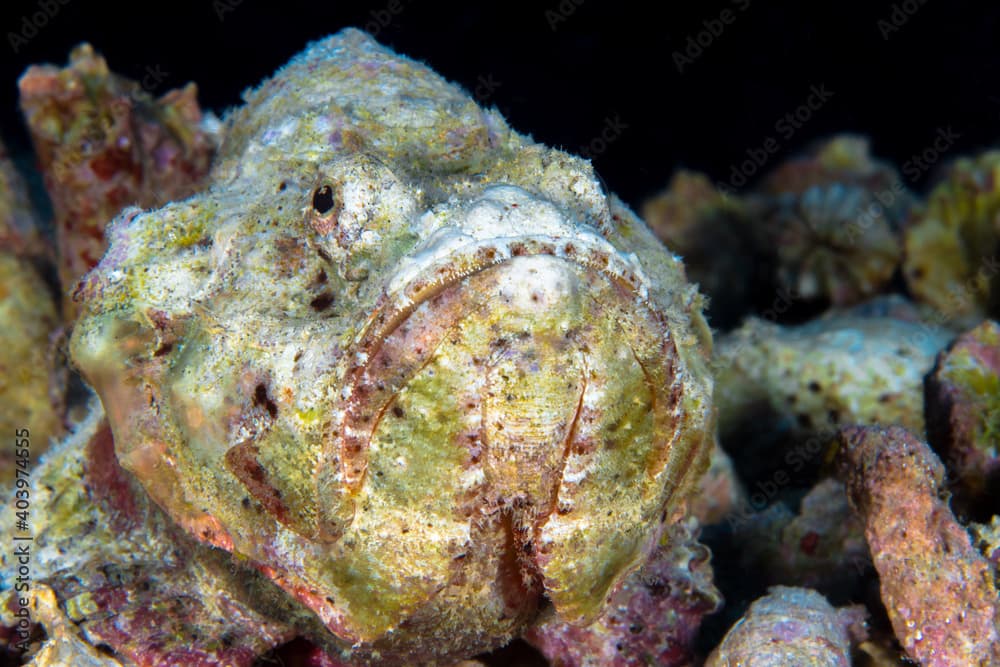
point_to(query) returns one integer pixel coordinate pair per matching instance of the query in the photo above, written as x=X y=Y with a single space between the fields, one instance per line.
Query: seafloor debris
x=719 y=491
x=103 y=143
x=844 y=159
x=31 y=380
x=953 y=244
x=651 y=619
x=937 y=588
x=822 y=547
x=708 y=229
x=824 y=227
x=986 y=537
x=63 y=644
x=963 y=416
x=19 y=231
x=833 y=243
x=830 y=220
x=792 y=626
x=420 y=372
x=837 y=370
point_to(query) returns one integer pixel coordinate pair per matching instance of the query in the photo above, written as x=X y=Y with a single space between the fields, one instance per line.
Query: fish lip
x=586 y=249
x=345 y=457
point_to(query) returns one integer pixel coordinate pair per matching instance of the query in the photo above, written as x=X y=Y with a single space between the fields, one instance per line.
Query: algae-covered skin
x=96 y=564
x=421 y=372
x=952 y=244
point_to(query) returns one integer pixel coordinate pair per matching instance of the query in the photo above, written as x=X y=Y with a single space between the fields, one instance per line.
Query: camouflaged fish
x=400 y=380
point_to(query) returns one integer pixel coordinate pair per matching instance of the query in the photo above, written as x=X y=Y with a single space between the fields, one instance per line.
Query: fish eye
x=323 y=199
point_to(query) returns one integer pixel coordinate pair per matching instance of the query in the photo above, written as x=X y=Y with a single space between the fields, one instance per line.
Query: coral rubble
x=843 y=369
x=952 y=243
x=963 y=414
x=103 y=143
x=937 y=588
x=791 y=626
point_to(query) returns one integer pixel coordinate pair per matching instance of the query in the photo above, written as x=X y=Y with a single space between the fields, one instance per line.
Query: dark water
x=640 y=88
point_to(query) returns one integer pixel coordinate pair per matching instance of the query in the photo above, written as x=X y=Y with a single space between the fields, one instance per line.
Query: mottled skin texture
x=108 y=568
x=419 y=371
x=937 y=588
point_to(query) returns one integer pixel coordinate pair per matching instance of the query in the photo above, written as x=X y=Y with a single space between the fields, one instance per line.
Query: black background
x=559 y=70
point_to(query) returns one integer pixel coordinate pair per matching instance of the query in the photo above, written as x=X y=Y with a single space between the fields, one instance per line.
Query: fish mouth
x=544 y=281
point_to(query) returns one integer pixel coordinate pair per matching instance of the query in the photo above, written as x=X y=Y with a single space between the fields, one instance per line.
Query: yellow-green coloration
x=951 y=247
x=963 y=408
x=968 y=372
x=870 y=371
x=28 y=399
x=422 y=372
